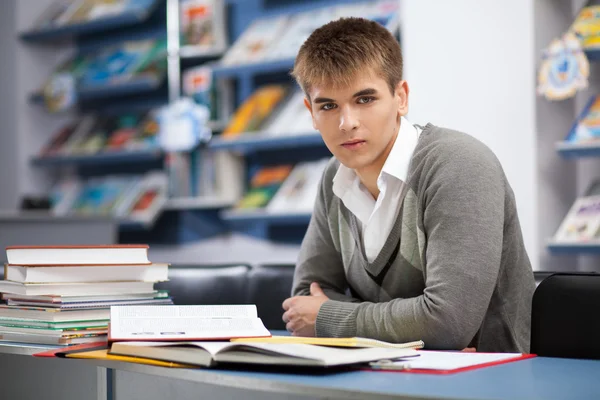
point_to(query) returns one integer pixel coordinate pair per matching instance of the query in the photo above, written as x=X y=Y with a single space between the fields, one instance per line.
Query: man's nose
x=348 y=120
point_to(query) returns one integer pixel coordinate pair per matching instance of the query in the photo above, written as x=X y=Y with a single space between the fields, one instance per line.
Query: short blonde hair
x=336 y=52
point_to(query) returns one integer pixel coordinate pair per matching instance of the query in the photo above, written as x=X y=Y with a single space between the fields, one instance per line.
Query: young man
x=415 y=233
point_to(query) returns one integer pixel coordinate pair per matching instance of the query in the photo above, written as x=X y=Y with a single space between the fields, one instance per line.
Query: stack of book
x=62 y=294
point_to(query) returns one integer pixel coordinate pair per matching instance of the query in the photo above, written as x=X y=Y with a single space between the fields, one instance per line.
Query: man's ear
x=308 y=105
x=401 y=93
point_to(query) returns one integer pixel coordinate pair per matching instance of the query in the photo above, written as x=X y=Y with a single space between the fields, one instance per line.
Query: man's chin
x=353 y=163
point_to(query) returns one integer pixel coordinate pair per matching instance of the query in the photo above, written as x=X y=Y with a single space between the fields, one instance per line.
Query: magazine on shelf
x=51 y=17
x=256 y=109
x=121 y=62
x=202 y=26
x=586 y=128
x=263 y=186
x=298 y=192
x=59 y=140
x=68 y=12
x=293 y=118
x=582 y=222
x=59 y=90
x=149 y=198
x=255 y=43
x=298 y=29
x=63 y=195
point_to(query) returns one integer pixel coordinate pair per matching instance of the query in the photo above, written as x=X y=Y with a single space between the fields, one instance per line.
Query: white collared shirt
x=377 y=217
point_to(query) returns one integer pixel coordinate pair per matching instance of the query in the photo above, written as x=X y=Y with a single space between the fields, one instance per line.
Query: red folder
x=450 y=371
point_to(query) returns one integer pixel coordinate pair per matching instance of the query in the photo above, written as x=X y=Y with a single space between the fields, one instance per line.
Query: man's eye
x=365 y=99
x=327 y=106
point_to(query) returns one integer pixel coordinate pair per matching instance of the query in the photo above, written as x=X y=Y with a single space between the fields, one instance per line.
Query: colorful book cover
x=255 y=43
x=263 y=186
x=122 y=62
x=197 y=21
x=255 y=110
x=587 y=127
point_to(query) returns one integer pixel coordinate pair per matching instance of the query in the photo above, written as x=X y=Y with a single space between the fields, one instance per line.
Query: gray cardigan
x=453 y=272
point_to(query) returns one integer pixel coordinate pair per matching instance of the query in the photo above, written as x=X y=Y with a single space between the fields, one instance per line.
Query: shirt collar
x=398 y=161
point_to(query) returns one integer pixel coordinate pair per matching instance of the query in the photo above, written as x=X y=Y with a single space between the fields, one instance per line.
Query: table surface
x=536 y=378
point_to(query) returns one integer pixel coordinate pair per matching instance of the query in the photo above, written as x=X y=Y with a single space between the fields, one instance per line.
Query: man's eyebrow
x=319 y=100
x=365 y=92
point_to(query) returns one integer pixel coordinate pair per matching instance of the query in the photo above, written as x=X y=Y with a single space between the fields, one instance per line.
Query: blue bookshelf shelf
x=131 y=226
x=104 y=158
x=574 y=248
x=136 y=86
x=576 y=150
x=593 y=55
x=137 y=11
x=249 y=143
x=265 y=217
x=238 y=71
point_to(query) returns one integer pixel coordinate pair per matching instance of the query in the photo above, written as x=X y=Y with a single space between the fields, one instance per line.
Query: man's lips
x=353 y=144
x=353 y=141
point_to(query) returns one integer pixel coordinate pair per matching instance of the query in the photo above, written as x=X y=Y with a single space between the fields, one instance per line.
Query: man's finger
x=286 y=303
x=289 y=327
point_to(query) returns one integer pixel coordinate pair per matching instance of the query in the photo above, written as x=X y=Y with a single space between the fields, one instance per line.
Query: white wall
x=35 y=127
x=470 y=65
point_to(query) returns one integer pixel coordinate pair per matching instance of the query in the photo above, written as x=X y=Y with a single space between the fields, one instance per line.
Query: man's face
x=359 y=122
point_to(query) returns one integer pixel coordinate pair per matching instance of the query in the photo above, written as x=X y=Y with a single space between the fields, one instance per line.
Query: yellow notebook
x=103 y=355
x=333 y=342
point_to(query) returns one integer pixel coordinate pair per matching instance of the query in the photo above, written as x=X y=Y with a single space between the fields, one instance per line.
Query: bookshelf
x=105 y=158
x=186 y=218
x=590 y=248
x=136 y=12
x=253 y=142
x=568 y=175
x=578 y=150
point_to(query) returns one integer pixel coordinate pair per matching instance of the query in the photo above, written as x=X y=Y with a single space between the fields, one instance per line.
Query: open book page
x=185 y=322
x=334 y=342
x=257 y=353
x=447 y=360
x=306 y=354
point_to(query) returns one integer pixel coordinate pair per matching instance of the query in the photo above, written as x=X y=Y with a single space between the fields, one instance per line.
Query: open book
x=170 y=322
x=334 y=342
x=210 y=353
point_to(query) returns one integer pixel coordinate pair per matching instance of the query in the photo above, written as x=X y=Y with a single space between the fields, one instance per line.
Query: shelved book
x=255 y=110
x=63 y=294
x=264 y=184
x=101 y=134
x=586 y=128
x=280 y=37
x=298 y=191
x=202 y=26
x=70 y=12
x=582 y=222
x=138 y=199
